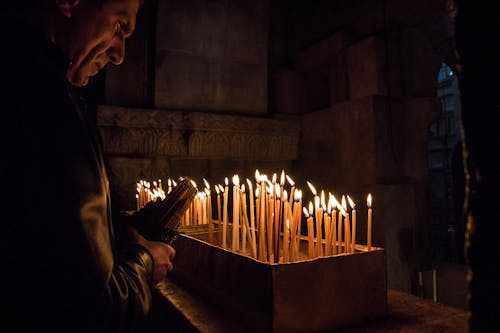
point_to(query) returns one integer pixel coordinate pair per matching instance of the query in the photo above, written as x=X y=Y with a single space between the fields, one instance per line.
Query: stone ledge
x=148 y=132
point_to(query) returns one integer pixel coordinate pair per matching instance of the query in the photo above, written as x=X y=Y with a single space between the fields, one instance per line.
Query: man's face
x=96 y=35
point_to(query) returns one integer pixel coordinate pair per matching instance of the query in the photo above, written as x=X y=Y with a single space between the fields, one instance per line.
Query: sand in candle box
x=309 y=295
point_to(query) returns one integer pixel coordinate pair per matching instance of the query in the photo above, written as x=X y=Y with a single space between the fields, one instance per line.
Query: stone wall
x=352 y=92
x=153 y=143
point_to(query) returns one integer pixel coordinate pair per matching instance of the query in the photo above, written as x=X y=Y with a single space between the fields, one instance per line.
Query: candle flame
x=243 y=188
x=249 y=185
x=369 y=200
x=351 y=203
x=297 y=195
x=290 y=181
x=154 y=183
x=169 y=182
x=323 y=202
x=137 y=196
x=344 y=203
x=207 y=191
x=221 y=188
x=306 y=213
x=311 y=208
x=217 y=189
x=206 y=183
x=256 y=192
x=336 y=203
x=174 y=183
x=285 y=195
x=275 y=177
x=257 y=175
x=282 y=178
x=194 y=184
x=316 y=202
x=236 y=180
x=226 y=181
x=313 y=190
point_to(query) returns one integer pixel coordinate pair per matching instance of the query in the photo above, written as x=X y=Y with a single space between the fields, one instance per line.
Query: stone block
x=366 y=66
x=339 y=84
x=190 y=82
x=318 y=54
x=338 y=144
x=287 y=92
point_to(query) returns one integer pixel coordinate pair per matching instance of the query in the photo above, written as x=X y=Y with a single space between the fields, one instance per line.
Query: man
x=62 y=269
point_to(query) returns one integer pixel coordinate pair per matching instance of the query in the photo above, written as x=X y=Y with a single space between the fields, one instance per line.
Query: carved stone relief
x=196 y=135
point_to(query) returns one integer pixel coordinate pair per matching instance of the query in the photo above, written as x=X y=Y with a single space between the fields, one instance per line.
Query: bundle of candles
x=267 y=225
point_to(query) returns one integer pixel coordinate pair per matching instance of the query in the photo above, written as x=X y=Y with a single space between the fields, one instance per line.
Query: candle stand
x=308 y=295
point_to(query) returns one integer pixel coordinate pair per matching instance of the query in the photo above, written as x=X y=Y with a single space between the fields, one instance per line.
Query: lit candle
x=319 y=224
x=236 y=213
x=209 y=204
x=243 y=218
x=277 y=221
x=292 y=184
x=262 y=219
x=334 y=224
x=285 y=239
x=225 y=215
x=297 y=212
x=137 y=202
x=252 y=214
x=328 y=228
x=353 y=213
x=347 y=227
x=310 y=229
x=369 y=233
x=217 y=190
x=209 y=208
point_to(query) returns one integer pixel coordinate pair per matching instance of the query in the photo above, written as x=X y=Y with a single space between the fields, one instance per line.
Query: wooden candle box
x=311 y=295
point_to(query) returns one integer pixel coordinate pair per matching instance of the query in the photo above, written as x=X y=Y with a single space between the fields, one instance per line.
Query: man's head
x=93 y=33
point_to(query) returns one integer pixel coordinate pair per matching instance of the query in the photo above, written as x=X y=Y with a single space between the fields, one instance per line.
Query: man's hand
x=162 y=253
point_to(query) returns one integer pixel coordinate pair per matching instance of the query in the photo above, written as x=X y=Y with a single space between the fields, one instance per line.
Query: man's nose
x=116 y=52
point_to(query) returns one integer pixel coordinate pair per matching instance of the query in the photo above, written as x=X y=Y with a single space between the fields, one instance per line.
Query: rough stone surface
x=366 y=65
x=212 y=55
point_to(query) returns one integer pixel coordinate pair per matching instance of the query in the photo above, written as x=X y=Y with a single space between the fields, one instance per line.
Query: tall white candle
x=236 y=213
x=225 y=215
x=353 y=214
x=369 y=231
x=252 y=213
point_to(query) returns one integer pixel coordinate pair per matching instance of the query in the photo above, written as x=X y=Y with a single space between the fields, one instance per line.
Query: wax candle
x=217 y=190
x=252 y=213
x=236 y=214
x=369 y=231
x=310 y=229
x=347 y=227
x=225 y=215
x=243 y=218
x=263 y=224
x=277 y=221
x=292 y=184
x=285 y=239
x=319 y=225
x=209 y=203
x=353 y=214
x=297 y=213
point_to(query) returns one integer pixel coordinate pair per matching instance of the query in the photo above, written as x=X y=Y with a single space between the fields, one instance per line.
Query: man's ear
x=66 y=6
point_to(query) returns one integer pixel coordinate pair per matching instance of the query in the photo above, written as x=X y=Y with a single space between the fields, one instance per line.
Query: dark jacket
x=61 y=269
